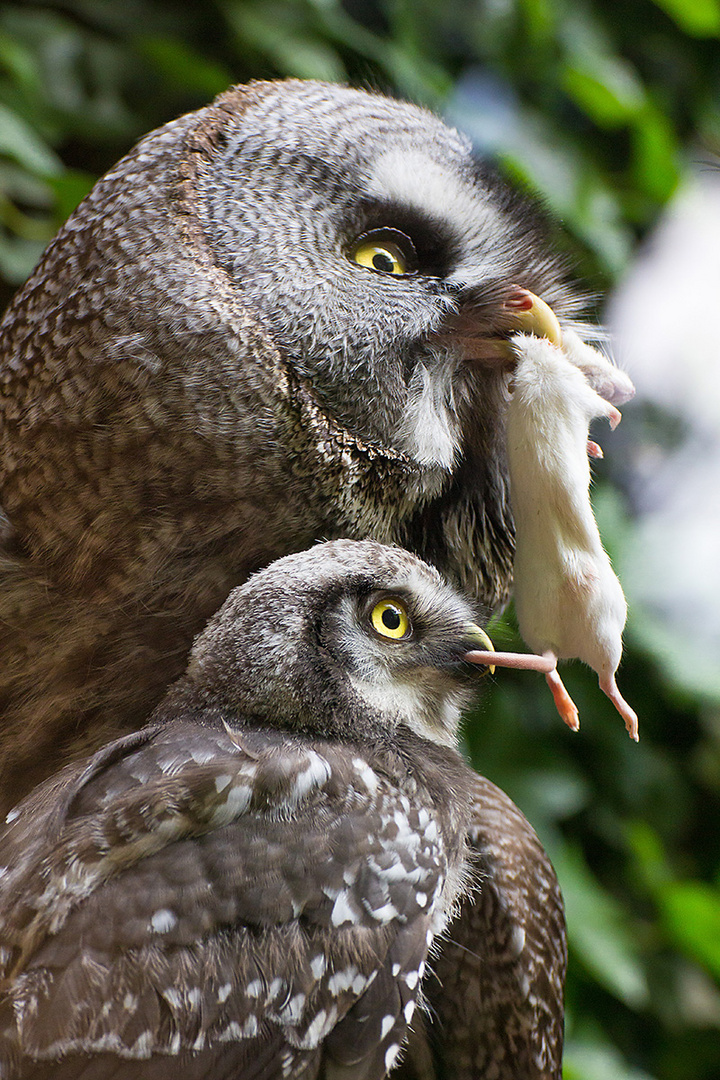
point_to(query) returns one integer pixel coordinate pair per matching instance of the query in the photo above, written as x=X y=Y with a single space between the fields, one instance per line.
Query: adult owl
x=267 y=324
x=274 y=321
x=252 y=885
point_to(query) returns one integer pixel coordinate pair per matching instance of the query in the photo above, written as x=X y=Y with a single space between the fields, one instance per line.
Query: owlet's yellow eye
x=385 y=250
x=390 y=619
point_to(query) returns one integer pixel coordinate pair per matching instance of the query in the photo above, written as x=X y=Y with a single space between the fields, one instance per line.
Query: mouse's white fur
x=604 y=376
x=568 y=600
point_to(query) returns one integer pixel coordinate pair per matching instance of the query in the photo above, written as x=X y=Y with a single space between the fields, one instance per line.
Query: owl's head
x=376 y=251
x=351 y=638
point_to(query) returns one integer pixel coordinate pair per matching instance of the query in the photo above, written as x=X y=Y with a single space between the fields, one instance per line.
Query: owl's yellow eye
x=390 y=619
x=386 y=257
x=385 y=250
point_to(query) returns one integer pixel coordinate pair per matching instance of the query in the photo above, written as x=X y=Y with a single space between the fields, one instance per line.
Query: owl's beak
x=476 y=633
x=488 y=656
x=531 y=315
x=522 y=312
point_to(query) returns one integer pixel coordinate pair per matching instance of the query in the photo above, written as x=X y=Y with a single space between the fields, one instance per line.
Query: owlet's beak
x=487 y=650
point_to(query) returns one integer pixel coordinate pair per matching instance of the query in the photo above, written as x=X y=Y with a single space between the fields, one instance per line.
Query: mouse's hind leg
x=563 y=702
x=610 y=687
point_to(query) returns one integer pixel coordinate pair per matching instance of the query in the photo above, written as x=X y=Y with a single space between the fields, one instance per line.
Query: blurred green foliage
x=596 y=109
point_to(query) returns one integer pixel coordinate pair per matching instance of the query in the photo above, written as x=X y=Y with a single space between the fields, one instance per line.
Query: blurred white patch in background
x=665 y=321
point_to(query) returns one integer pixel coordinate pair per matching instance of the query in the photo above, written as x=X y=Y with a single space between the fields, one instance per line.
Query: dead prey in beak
x=490 y=658
x=569 y=602
x=547 y=665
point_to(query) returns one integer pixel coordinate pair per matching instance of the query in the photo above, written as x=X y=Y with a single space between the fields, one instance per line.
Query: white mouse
x=568 y=600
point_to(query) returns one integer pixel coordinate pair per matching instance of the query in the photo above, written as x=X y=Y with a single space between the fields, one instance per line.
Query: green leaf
x=650 y=860
x=656 y=154
x=551 y=795
x=18 y=61
x=597 y=1061
x=22 y=187
x=606 y=89
x=309 y=58
x=599 y=930
x=69 y=188
x=20 y=142
x=700 y=18
x=18 y=258
x=540 y=17
x=691 y=913
x=287 y=38
x=181 y=65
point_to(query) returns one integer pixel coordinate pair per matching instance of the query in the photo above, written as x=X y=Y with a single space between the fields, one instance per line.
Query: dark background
x=602 y=111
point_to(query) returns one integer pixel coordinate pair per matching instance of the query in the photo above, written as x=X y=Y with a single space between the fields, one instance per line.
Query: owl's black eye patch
x=434 y=245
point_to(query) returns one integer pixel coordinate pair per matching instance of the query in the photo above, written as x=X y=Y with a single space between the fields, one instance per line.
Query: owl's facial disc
x=348 y=636
x=402 y=657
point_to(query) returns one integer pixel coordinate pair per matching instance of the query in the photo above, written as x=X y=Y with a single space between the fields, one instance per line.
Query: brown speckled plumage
x=270 y=862
x=197 y=379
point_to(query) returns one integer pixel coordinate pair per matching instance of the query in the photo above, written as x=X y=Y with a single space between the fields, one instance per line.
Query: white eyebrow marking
x=430 y=186
x=412 y=178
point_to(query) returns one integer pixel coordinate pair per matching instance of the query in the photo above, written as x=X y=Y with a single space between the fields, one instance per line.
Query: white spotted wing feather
x=213 y=894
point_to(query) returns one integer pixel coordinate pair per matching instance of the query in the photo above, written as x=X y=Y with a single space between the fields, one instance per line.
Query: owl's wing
x=251 y=904
x=496 y=991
